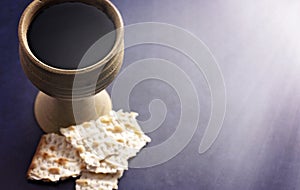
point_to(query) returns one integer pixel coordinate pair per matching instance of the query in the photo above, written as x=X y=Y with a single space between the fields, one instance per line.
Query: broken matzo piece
x=135 y=137
x=54 y=159
x=93 y=145
x=107 y=141
x=128 y=132
x=93 y=181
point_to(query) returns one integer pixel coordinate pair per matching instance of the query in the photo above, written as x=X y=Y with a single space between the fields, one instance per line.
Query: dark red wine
x=60 y=35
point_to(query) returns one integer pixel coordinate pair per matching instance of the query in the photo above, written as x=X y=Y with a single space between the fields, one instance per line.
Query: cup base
x=53 y=114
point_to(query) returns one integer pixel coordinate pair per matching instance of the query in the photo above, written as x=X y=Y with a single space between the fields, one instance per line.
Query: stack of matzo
x=97 y=150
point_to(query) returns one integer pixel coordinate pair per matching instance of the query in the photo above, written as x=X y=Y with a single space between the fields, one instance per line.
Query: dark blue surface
x=257 y=46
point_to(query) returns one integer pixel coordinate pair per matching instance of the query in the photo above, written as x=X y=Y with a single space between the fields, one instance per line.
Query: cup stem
x=53 y=114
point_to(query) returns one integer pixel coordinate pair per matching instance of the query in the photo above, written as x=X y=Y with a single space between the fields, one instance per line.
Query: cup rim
x=34 y=7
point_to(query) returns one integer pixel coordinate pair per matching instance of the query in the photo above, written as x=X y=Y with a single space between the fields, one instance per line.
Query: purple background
x=256 y=44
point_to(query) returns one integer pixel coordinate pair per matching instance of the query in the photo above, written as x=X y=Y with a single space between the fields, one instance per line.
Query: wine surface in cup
x=60 y=35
